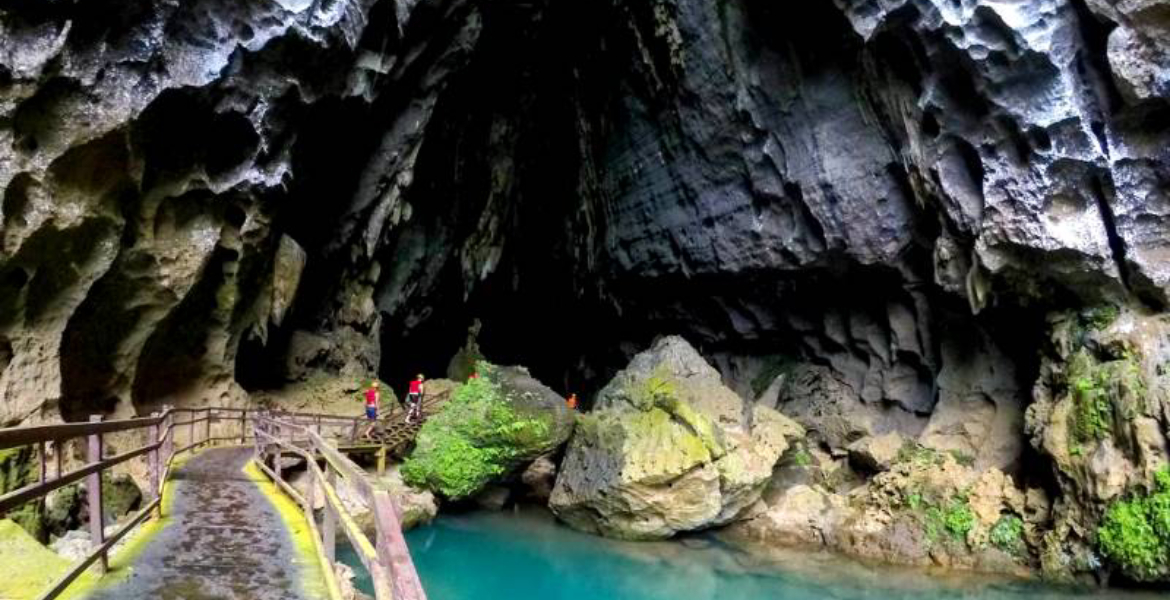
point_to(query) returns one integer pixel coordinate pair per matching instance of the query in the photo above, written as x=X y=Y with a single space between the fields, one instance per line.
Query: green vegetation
x=1098 y=318
x=1008 y=534
x=962 y=458
x=1135 y=533
x=477 y=438
x=919 y=455
x=1098 y=390
x=17 y=471
x=801 y=457
x=660 y=390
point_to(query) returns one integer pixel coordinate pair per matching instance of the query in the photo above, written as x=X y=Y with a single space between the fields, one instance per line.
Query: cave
x=933 y=224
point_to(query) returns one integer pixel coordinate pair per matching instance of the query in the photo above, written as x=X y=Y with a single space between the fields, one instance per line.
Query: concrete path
x=223 y=540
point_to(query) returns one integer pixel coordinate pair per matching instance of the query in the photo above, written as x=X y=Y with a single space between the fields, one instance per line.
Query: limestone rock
x=834 y=414
x=1101 y=392
x=667 y=449
x=539 y=478
x=876 y=453
x=801 y=516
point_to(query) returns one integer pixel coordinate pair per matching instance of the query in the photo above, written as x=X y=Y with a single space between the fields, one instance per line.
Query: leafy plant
x=959 y=519
x=1008 y=534
x=1135 y=533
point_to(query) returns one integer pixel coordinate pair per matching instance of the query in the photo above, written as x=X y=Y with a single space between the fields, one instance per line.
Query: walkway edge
x=263 y=480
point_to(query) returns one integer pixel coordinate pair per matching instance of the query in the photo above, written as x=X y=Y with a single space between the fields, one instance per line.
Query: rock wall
x=870 y=208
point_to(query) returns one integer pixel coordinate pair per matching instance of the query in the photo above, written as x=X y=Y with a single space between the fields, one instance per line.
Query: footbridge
x=215 y=533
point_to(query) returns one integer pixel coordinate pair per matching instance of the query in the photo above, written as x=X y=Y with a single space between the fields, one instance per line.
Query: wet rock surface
x=223 y=540
x=668 y=449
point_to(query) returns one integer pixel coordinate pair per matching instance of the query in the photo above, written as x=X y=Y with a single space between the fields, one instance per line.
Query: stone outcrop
x=1101 y=411
x=667 y=449
x=492 y=426
x=924 y=509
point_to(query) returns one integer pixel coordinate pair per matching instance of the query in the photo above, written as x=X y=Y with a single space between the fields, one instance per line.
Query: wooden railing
x=387 y=557
x=162 y=429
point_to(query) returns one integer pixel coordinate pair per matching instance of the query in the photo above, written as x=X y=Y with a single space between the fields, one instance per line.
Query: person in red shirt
x=372 y=398
x=414 y=399
x=572 y=402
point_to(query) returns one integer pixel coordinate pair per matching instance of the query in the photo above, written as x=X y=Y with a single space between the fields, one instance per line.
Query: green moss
x=952 y=517
x=17 y=469
x=962 y=458
x=1100 y=317
x=477 y=438
x=1099 y=390
x=1135 y=533
x=918 y=455
x=660 y=390
x=1008 y=534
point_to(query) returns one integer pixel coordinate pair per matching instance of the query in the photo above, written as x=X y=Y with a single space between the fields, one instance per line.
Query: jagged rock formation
x=863 y=207
x=668 y=449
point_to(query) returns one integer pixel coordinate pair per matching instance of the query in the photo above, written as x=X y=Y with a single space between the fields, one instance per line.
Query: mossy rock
x=491 y=426
x=18 y=469
x=26 y=566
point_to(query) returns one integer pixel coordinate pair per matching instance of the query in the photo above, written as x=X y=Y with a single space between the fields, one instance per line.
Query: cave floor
x=222 y=539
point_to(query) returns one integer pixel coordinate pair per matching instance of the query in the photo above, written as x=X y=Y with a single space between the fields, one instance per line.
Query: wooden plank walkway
x=224 y=540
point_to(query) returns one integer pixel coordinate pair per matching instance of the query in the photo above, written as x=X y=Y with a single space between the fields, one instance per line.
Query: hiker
x=572 y=402
x=474 y=375
x=414 y=399
x=372 y=398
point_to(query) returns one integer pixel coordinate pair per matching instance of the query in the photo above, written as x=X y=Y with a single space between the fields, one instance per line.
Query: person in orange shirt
x=572 y=402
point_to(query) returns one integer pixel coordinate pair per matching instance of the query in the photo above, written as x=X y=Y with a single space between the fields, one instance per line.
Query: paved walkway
x=223 y=540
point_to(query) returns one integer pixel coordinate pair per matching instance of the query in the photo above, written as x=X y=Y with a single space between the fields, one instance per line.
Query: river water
x=526 y=555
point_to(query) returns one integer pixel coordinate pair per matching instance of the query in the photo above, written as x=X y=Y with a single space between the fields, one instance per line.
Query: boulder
x=493 y=497
x=667 y=449
x=876 y=453
x=493 y=425
x=539 y=478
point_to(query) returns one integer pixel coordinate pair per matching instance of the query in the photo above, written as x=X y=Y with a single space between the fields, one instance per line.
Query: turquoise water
x=527 y=556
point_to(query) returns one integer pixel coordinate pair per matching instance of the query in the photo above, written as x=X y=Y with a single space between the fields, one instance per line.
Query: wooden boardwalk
x=226 y=540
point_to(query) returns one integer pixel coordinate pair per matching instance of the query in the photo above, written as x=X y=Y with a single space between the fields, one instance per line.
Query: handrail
x=387 y=558
x=160 y=447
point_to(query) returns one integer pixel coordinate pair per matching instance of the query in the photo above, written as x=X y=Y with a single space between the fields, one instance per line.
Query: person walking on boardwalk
x=414 y=399
x=572 y=402
x=372 y=398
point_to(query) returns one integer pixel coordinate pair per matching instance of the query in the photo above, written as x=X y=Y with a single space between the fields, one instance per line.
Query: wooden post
x=328 y=519
x=276 y=428
x=155 y=438
x=318 y=424
x=169 y=435
x=244 y=427
x=191 y=428
x=44 y=462
x=60 y=446
x=93 y=486
x=381 y=460
x=207 y=428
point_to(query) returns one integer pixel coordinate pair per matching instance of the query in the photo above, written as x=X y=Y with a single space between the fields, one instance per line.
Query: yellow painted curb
x=302 y=535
